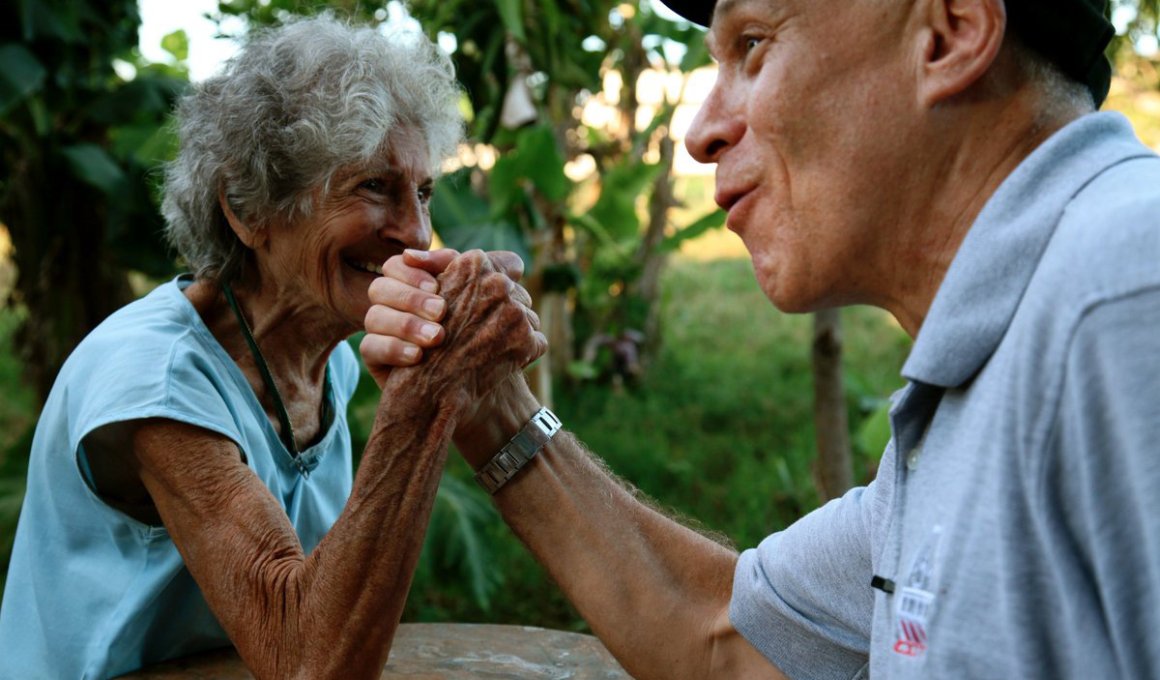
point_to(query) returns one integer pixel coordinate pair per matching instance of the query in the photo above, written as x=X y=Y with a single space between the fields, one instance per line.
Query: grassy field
x=719 y=431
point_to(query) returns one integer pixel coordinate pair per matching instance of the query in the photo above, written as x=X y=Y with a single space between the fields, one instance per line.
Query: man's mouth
x=727 y=198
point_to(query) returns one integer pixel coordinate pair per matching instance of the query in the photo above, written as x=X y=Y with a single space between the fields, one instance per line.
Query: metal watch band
x=516 y=453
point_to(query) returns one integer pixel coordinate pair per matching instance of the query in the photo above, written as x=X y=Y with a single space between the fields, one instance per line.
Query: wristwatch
x=516 y=453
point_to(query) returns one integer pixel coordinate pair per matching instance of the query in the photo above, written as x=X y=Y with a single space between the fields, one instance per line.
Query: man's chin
x=793 y=300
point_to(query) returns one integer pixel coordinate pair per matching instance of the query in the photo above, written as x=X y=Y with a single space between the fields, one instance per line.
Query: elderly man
x=940 y=159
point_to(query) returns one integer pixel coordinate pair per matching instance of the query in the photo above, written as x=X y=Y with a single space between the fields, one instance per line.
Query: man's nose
x=718 y=126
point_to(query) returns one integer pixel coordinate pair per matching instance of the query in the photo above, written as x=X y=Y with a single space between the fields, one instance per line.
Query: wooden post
x=833 y=469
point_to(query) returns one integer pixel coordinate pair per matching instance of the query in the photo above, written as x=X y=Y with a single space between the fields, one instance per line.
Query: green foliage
x=94 y=166
x=78 y=144
x=537 y=160
x=623 y=184
x=176 y=44
x=456 y=549
x=464 y=221
x=713 y=220
x=1145 y=21
x=17 y=418
x=20 y=76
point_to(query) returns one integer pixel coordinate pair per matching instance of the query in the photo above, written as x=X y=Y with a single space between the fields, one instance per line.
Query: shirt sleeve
x=145 y=381
x=119 y=379
x=1106 y=476
x=803 y=596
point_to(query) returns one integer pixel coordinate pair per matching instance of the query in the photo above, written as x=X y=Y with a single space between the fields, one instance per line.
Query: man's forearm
x=653 y=590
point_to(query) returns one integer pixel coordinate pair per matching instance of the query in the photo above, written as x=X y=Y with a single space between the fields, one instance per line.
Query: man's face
x=807 y=123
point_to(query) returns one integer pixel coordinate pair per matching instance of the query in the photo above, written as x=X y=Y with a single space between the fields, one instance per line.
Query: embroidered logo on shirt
x=915 y=601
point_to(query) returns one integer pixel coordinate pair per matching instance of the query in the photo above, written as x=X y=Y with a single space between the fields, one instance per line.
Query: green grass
x=719 y=431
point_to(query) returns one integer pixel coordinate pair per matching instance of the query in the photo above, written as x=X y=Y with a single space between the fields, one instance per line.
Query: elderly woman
x=191 y=484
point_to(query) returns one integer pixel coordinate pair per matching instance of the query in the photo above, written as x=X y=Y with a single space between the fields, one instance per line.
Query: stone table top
x=445 y=651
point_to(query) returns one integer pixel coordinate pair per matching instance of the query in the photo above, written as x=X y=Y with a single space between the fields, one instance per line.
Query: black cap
x=1073 y=34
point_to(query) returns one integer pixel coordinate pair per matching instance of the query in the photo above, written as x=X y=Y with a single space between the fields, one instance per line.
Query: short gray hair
x=1062 y=92
x=295 y=105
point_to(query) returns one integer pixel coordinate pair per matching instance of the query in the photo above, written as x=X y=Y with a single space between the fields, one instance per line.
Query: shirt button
x=912 y=458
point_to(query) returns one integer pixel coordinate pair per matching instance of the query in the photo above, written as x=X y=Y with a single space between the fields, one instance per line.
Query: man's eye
x=751 y=44
x=424 y=192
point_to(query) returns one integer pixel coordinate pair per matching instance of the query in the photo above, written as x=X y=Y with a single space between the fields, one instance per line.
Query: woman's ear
x=963 y=40
x=251 y=238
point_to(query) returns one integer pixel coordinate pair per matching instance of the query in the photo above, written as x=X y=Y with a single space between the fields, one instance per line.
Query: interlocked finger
x=401 y=296
x=507 y=262
x=407 y=327
x=380 y=353
x=533 y=318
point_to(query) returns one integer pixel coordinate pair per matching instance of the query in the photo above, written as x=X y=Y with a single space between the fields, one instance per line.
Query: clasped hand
x=470 y=306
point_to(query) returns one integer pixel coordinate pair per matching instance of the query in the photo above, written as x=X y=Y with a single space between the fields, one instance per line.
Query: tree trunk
x=552 y=308
x=652 y=257
x=833 y=469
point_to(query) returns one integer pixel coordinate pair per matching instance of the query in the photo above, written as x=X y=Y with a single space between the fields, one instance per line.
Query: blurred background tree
x=572 y=108
x=77 y=143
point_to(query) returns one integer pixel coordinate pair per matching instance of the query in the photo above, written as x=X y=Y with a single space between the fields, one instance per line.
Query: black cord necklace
x=268 y=378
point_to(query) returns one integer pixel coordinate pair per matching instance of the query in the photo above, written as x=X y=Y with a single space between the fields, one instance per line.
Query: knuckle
x=514 y=265
x=375 y=320
x=395 y=265
x=371 y=347
x=513 y=316
x=413 y=327
x=415 y=301
x=379 y=289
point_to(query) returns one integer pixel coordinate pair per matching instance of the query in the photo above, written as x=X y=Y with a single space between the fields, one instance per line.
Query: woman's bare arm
x=333 y=613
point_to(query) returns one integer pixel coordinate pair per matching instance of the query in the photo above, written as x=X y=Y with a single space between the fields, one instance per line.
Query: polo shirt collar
x=986 y=280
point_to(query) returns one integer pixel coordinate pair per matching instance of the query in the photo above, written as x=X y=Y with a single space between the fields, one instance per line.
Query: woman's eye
x=375 y=185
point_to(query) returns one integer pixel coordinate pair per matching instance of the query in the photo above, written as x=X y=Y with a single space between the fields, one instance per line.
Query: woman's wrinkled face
x=371 y=212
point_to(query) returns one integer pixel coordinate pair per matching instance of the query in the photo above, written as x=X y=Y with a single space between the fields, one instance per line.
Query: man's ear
x=251 y=238
x=963 y=39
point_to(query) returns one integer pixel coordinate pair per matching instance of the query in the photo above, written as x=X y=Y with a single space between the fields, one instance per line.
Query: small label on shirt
x=914 y=603
x=913 y=614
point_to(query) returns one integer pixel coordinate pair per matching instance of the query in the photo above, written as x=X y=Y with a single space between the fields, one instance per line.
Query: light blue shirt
x=93 y=593
x=1016 y=512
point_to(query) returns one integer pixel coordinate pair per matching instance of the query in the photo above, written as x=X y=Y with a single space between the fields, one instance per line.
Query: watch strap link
x=538 y=431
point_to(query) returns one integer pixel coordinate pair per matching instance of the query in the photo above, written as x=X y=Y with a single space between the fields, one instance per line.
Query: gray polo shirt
x=1014 y=527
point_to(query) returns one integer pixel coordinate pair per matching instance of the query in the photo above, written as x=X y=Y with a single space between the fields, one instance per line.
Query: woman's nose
x=411 y=225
